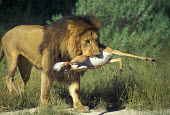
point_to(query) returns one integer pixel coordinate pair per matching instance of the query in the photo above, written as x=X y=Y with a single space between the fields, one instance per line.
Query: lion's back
x=22 y=32
x=25 y=40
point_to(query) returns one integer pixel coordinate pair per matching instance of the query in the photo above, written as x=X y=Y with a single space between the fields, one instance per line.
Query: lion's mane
x=58 y=42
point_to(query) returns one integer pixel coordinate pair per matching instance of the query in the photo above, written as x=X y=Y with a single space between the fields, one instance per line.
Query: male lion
x=64 y=39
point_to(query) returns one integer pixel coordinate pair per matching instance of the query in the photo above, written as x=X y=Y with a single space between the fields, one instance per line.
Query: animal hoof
x=150 y=59
x=153 y=60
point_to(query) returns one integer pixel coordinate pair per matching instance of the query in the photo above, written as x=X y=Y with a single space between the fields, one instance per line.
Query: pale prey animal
x=82 y=62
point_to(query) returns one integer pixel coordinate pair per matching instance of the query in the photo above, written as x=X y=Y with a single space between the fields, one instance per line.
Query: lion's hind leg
x=12 y=61
x=24 y=67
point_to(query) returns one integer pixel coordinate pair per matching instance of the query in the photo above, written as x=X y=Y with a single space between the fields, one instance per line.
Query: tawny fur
x=43 y=46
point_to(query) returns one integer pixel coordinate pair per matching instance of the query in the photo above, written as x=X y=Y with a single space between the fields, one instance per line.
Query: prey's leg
x=79 y=59
x=127 y=55
x=74 y=64
x=116 y=60
x=76 y=67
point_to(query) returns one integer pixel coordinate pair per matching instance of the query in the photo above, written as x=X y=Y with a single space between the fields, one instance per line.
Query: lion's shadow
x=111 y=95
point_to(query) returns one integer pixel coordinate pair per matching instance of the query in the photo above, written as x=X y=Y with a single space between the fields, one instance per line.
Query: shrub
x=130 y=25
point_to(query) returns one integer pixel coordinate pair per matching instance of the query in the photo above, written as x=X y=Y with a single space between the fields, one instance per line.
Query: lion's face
x=89 y=43
x=83 y=37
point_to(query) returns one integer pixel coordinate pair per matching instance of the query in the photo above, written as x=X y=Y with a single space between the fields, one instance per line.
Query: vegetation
x=129 y=25
x=138 y=27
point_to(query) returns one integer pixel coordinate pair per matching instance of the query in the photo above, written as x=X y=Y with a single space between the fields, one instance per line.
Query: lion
x=26 y=46
x=83 y=62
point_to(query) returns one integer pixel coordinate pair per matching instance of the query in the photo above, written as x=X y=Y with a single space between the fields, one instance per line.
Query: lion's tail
x=1 y=54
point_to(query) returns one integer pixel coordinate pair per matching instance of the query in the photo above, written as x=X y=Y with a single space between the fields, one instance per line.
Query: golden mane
x=57 y=36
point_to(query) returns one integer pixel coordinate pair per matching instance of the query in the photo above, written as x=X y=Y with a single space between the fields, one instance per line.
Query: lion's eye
x=87 y=41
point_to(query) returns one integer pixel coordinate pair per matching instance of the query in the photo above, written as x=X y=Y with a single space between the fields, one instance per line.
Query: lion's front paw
x=83 y=109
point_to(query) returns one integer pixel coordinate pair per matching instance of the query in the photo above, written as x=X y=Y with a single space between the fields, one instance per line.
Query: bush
x=2 y=32
x=132 y=26
x=129 y=25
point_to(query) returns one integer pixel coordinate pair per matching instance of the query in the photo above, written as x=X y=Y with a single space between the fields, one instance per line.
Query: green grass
x=141 y=85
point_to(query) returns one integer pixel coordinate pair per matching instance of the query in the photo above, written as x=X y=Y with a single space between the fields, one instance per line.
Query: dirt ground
x=99 y=112
x=126 y=112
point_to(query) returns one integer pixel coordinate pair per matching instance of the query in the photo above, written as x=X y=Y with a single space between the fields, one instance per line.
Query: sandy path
x=126 y=112
x=99 y=112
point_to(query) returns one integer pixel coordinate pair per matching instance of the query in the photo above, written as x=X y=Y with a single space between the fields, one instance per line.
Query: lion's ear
x=96 y=22
x=71 y=25
x=74 y=26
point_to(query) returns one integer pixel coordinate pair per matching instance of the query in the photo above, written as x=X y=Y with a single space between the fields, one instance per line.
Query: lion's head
x=72 y=36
